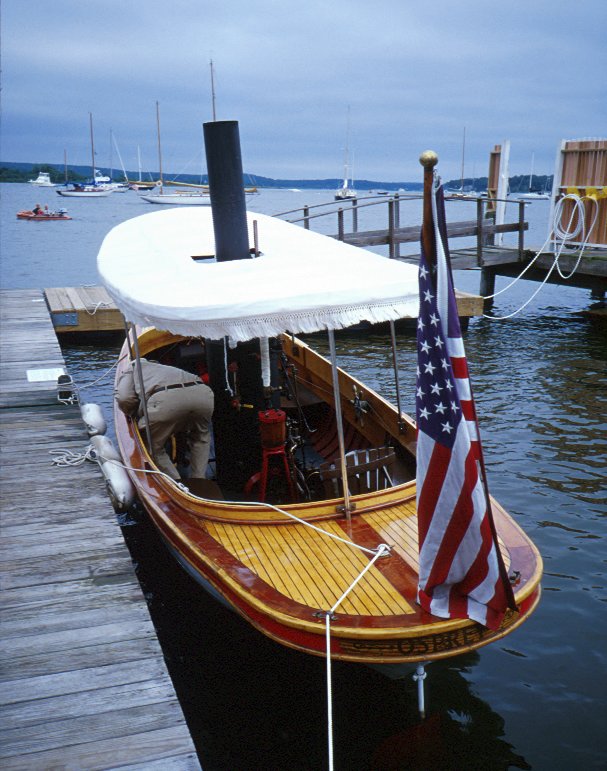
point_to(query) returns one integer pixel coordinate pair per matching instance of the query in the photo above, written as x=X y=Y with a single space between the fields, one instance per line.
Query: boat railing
x=483 y=226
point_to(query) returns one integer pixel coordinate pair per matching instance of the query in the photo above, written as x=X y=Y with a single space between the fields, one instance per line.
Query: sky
x=411 y=76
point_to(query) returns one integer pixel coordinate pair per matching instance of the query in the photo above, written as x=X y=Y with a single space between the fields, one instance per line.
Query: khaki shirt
x=128 y=389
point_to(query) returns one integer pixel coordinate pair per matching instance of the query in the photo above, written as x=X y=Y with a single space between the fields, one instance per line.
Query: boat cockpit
x=281 y=444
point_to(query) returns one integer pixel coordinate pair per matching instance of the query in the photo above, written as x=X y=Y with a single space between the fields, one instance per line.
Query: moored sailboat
x=309 y=528
x=159 y=195
x=346 y=191
x=532 y=193
x=92 y=190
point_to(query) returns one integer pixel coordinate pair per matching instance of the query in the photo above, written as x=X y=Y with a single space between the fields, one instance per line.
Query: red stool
x=277 y=452
x=273 y=429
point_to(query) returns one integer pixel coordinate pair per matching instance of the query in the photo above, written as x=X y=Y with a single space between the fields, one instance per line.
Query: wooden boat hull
x=283 y=576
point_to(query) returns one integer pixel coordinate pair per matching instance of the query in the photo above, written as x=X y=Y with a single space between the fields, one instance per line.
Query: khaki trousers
x=186 y=410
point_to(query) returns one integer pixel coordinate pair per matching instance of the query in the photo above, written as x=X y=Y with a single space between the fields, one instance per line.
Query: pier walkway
x=585 y=267
x=83 y=682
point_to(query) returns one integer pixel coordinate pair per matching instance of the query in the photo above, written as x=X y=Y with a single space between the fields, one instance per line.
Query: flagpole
x=428 y=160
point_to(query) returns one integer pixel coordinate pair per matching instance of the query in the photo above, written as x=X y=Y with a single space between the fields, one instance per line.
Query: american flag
x=461 y=571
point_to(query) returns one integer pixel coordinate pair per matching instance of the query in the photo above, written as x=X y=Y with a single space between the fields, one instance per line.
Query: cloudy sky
x=413 y=76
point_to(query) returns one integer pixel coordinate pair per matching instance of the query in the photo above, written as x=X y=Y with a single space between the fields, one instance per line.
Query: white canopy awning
x=301 y=282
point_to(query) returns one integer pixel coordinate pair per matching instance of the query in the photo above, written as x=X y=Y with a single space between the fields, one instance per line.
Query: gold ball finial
x=428 y=158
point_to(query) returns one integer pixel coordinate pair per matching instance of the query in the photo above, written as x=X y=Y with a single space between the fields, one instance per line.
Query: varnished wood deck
x=83 y=682
x=311 y=568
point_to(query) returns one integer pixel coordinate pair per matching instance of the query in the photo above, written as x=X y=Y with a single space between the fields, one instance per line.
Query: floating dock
x=83 y=681
x=83 y=309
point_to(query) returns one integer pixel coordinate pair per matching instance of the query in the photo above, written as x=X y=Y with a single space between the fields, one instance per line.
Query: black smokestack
x=226 y=186
x=238 y=388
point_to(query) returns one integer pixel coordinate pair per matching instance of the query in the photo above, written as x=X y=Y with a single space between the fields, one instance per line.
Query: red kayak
x=43 y=215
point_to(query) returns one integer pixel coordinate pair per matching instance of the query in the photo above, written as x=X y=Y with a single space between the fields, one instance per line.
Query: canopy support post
x=401 y=425
x=419 y=677
x=144 y=405
x=340 y=426
x=128 y=341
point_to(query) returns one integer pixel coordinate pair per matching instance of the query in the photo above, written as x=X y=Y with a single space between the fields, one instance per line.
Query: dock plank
x=83 y=682
x=114 y=724
x=80 y=681
x=162 y=749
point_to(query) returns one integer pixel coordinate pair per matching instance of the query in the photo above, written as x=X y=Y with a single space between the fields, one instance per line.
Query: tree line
x=11 y=174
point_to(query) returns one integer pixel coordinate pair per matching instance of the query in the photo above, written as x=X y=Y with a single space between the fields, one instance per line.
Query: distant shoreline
x=19 y=172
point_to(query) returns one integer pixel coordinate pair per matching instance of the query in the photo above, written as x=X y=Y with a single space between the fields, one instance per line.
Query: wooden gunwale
x=382 y=417
x=224 y=570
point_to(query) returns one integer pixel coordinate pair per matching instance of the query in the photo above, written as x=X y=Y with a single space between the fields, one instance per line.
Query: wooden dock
x=83 y=309
x=588 y=268
x=83 y=682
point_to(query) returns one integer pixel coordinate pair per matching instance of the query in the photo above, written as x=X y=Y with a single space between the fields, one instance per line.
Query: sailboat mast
x=463 y=157
x=92 y=145
x=159 y=150
x=347 y=152
x=213 y=91
x=111 y=174
x=139 y=162
x=531 y=175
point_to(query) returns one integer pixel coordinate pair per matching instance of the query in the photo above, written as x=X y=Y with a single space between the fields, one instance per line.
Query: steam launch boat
x=326 y=519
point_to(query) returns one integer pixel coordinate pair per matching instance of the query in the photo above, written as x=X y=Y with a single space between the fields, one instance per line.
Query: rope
x=225 y=367
x=379 y=552
x=100 y=304
x=69 y=458
x=561 y=236
x=100 y=378
x=264 y=505
x=259 y=505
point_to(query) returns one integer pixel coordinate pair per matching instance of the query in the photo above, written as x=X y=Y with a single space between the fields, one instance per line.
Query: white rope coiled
x=68 y=458
x=562 y=237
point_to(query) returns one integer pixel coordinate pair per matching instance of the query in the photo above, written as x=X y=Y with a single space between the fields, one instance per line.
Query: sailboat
x=159 y=194
x=532 y=194
x=308 y=527
x=345 y=192
x=93 y=190
x=117 y=187
x=139 y=184
x=460 y=192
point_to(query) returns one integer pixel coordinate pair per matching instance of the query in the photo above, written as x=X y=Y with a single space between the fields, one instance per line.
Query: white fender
x=120 y=488
x=94 y=421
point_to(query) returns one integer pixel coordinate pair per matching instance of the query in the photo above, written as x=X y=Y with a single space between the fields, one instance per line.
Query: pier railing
x=483 y=227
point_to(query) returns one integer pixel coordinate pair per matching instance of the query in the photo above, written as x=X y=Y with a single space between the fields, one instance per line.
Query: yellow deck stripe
x=310 y=568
